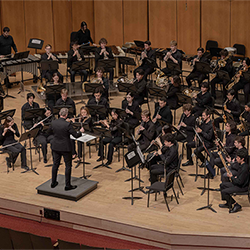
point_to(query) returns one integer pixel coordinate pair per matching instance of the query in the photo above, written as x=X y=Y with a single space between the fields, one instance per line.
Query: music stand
x=106 y=63
x=102 y=132
x=121 y=112
x=27 y=136
x=158 y=92
x=203 y=67
x=49 y=65
x=184 y=99
x=139 y=44
x=126 y=61
x=54 y=90
x=173 y=67
x=223 y=75
x=56 y=110
x=87 y=49
x=35 y=43
x=151 y=62
x=31 y=114
x=215 y=52
x=97 y=110
x=126 y=87
x=4 y=114
x=90 y=87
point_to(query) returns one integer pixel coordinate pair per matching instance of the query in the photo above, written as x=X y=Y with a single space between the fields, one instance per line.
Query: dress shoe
x=45 y=160
x=224 y=205
x=25 y=167
x=100 y=159
x=217 y=189
x=108 y=162
x=188 y=163
x=235 y=209
x=8 y=162
x=53 y=185
x=71 y=187
x=202 y=165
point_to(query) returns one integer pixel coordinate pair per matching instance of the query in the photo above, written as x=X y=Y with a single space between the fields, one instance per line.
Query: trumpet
x=105 y=54
x=143 y=55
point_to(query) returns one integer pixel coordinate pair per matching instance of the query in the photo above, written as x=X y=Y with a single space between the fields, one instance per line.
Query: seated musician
x=246 y=116
x=175 y=56
x=141 y=87
x=48 y=56
x=133 y=109
x=243 y=83
x=202 y=99
x=76 y=55
x=206 y=133
x=104 y=52
x=8 y=131
x=163 y=113
x=228 y=68
x=239 y=143
x=42 y=137
x=98 y=99
x=169 y=158
x=30 y=104
x=230 y=128
x=172 y=99
x=239 y=183
x=84 y=118
x=186 y=125
x=195 y=73
x=231 y=108
x=104 y=81
x=147 y=53
x=83 y=35
x=116 y=138
x=6 y=43
x=66 y=101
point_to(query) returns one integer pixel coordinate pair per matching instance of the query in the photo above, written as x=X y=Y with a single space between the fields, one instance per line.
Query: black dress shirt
x=114 y=127
x=84 y=37
x=172 y=99
x=188 y=130
x=26 y=106
x=207 y=134
x=141 y=89
x=9 y=136
x=242 y=178
x=147 y=135
x=5 y=45
x=230 y=148
x=67 y=102
x=103 y=102
x=98 y=56
x=170 y=157
x=150 y=54
x=165 y=113
x=71 y=59
x=235 y=108
x=177 y=56
x=204 y=99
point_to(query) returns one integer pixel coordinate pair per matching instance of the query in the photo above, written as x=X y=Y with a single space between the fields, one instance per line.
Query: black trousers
x=147 y=71
x=67 y=156
x=194 y=75
x=215 y=160
x=245 y=85
x=197 y=151
x=156 y=169
x=215 y=81
x=223 y=172
x=180 y=137
x=16 y=150
x=112 y=142
x=80 y=72
x=43 y=140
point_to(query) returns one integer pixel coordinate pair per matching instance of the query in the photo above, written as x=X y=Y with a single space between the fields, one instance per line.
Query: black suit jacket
x=150 y=54
x=165 y=113
x=98 y=56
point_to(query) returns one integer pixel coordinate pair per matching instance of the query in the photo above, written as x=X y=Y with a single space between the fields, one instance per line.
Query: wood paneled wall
x=191 y=23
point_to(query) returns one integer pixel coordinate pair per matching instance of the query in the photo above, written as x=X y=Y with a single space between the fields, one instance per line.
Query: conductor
x=61 y=146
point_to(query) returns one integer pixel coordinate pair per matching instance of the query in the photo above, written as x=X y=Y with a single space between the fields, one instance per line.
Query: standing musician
x=246 y=116
x=76 y=55
x=66 y=101
x=174 y=87
x=231 y=108
x=186 y=125
x=42 y=137
x=230 y=149
x=104 y=52
x=202 y=99
x=104 y=81
x=98 y=99
x=83 y=35
x=195 y=73
x=169 y=158
x=243 y=83
x=239 y=183
x=132 y=108
x=175 y=56
x=7 y=136
x=141 y=86
x=6 y=43
x=162 y=112
x=116 y=138
x=48 y=56
x=225 y=64
x=30 y=104
x=147 y=53
x=61 y=146
x=206 y=133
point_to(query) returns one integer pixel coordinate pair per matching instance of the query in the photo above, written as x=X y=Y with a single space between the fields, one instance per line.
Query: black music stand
x=27 y=136
x=56 y=110
x=126 y=87
x=90 y=87
x=49 y=65
x=173 y=67
x=126 y=61
x=81 y=65
x=203 y=67
x=54 y=90
x=33 y=114
x=106 y=63
x=87 y=49
x=139 y=44
x=121 y=112
x=158 y=92
x=151 y=62
x=35 y=43
x=5 y=114
x=223 y=75
x=184 y=99
x=97 y=110
x=102 y=132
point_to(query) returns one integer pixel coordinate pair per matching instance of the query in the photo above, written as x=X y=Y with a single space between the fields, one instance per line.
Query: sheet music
x=84 y=138
x=36 y=41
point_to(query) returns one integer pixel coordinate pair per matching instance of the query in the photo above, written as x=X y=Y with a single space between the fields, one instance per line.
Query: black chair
x=163 y=187
x=5 y=242
x=68 y=245
x=6 y=151
x=88 y=247
x=41 y=242
x=240 y=52
x=244 y=193
x=175 y=109
x=20 y=240
x=177 y=174
x=211 y=44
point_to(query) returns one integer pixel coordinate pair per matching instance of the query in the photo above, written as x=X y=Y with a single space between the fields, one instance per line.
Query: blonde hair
x=173 y=43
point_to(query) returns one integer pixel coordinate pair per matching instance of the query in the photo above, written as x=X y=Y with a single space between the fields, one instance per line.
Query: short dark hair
x=30 y=95
x=187 y=107
x=48 y=45
x=169 y=137
x=248 y=104
x=148 y=43
x=98 y=90
x=205 y=85
x=233 y=126
x=200 y=49
x=131 y=94
x=207 y=112
x=177 y=79
x=99 y=69
x=140 y=72
x=242 y=153
x=224 y=52
x=73 y=43
x=231 y=92
x=103 y=40
x=241 y=140
x=247 y=61
x=83 y=24
x=6 y=29
x=167 y=129
x=163 y=99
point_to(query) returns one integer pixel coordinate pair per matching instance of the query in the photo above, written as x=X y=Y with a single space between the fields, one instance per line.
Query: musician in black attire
x=246 y=116
x=98 y=99
x=243 y=83
x=141 y=86
x=48 y=56
x=61 y=146
x=116 y=138
x=6 y=43
x=76 y=55
x=83 y=35
x=104 y=52
x=66 y=101
x=203 y=99
x=30 y=104
x=162 y=112
x=172 y=99
x=8 y=131
x=195 y=73
x=147 y=53
x=102 y=80
x=232 y=108
x=175 y=56
x=133 y=109
x=228 y=68
x=206 y=133
x=239 y=183
x=169 y=158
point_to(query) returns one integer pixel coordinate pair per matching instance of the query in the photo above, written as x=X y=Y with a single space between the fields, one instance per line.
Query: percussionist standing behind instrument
x=61 y=146
x=147 y=53
x=83 y=35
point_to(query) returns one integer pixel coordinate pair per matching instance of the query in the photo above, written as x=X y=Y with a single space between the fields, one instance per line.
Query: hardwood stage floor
x=104 y=211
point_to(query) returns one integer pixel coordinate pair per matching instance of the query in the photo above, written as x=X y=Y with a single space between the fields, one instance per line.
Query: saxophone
x=242 y=127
